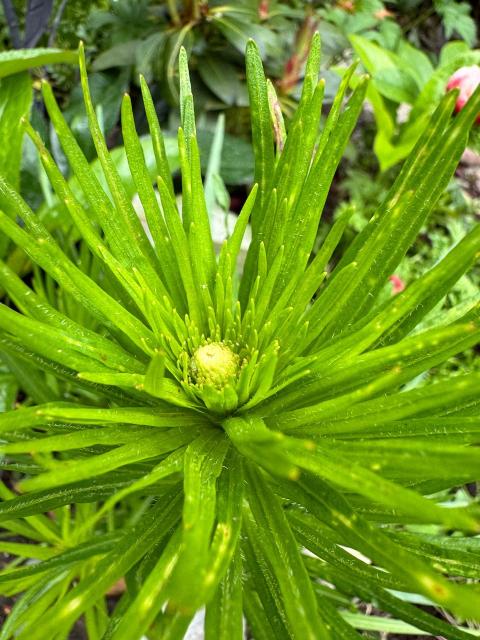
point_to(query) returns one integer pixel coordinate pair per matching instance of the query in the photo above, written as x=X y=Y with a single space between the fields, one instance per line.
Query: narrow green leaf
x=203 y=464
x=262 y=130
x=46 y=252
x=151 y=207
x=312 y=68
x=163 y=168
x=223 y=615
x=113 y=435
x=133 y=545
x=303 y=224
x=15 y=103
x=76 y=469
x=270 y=527
x=331 y=507
x=139 y=243
x=61 y=561
x=261 y=597
x=148 y=603
x=368 y=584
x=187 y=113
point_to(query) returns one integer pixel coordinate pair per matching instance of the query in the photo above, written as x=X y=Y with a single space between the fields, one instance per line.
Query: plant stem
x=172 y=10
x=56 y=23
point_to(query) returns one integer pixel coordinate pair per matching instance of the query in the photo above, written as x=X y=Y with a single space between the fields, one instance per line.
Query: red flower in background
x=293 y=66
x=467 y=80
x=263 y=9
x=398 y=284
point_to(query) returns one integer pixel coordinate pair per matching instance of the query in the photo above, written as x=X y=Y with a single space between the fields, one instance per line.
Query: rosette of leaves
x=226 y=441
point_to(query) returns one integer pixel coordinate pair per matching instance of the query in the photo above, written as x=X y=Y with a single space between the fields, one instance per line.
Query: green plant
x=453 y=216
x=16 y=95
x=387 y=22
x=213 y=433
x=457 y=19
x=406 y=76
x=146 y=37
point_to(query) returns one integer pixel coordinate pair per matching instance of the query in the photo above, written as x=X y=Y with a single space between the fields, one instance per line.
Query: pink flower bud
x=467 y=80
x=263 y=9
x=398 y=284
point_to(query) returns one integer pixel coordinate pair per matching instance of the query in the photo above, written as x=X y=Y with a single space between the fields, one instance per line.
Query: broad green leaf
x=15 y=103
x=374 y=57
x=223 y=81
x=120 y=55
x=12 y=62
x=419 y=64
x=396 y=85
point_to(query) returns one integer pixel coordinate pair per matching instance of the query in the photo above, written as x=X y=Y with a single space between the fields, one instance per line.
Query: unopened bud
x=466 y=79
x=214 y=364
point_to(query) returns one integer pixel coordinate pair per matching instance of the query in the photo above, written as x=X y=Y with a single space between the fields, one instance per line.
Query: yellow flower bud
x=214 y=364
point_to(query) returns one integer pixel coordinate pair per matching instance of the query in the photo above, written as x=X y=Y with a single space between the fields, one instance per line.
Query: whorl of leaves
x=205 y=482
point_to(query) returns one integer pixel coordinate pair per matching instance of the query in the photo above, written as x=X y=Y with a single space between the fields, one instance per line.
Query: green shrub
x=195 y=433
x=406 y=77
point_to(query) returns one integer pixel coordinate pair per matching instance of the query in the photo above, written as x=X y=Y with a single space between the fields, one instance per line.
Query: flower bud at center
x=214 y=364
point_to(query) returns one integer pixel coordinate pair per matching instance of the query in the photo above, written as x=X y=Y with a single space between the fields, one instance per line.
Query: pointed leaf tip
x=251 y=48
x=183 y=58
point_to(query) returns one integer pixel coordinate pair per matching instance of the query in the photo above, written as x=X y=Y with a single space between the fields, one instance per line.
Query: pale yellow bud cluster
x=214 y=364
